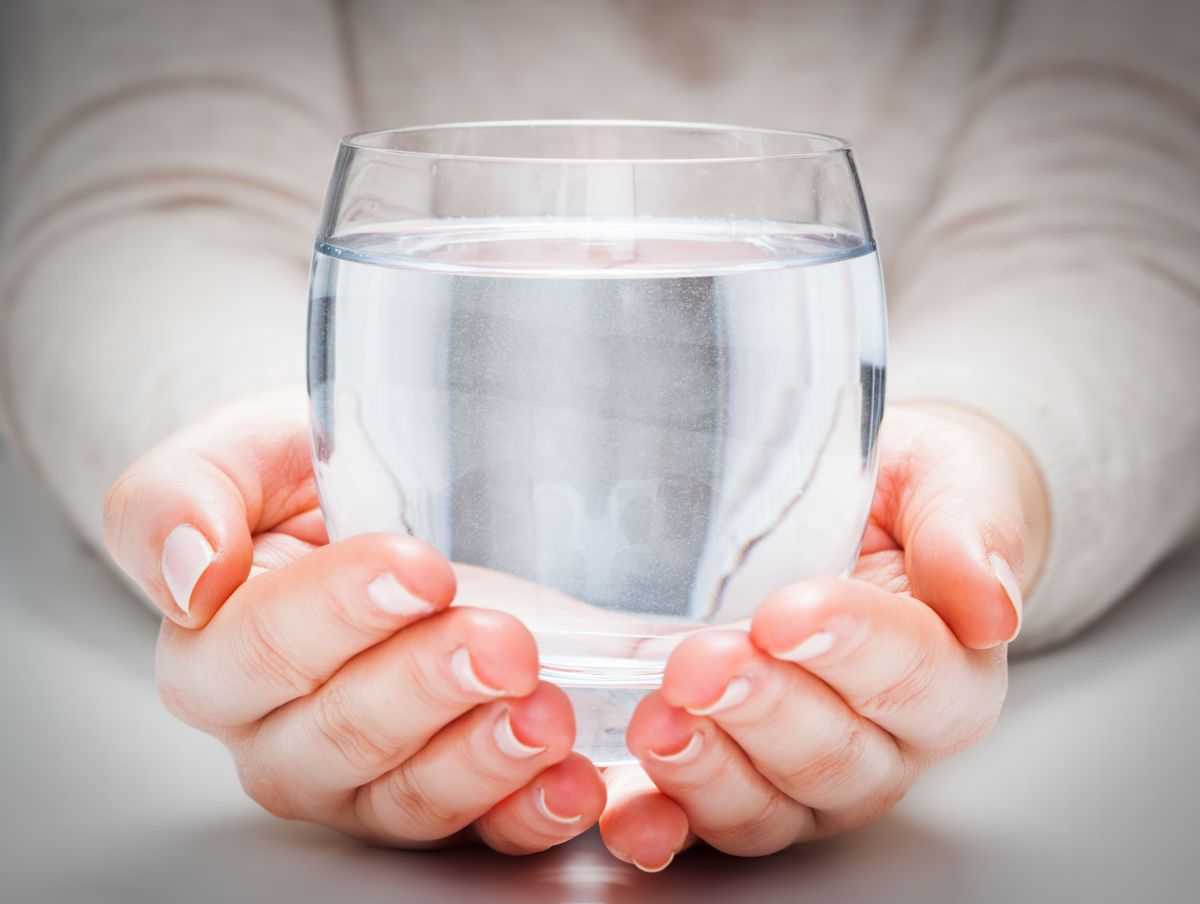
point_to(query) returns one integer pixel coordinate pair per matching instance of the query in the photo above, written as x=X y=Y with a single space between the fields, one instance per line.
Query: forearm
x=165 y=167
x=115 y=336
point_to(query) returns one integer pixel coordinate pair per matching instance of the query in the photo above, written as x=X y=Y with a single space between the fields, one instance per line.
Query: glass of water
x=627 y=376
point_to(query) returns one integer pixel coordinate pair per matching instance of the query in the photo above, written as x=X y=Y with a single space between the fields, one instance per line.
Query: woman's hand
x=843 y=691
x=346 y=689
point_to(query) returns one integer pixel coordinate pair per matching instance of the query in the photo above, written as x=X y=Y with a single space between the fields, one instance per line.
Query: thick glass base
x=605 y=690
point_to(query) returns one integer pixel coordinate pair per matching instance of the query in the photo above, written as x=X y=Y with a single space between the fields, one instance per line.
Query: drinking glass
x=627 y=376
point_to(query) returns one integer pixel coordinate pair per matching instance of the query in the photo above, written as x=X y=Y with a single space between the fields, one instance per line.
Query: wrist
x=1031 y=488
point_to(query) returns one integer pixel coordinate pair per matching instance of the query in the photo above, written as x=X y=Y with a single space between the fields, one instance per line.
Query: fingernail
x=539 y=804
x=812 y=646
x=186 y=554
x=395 y=599
x=735 y=692
x=468 y=680
x=656 y=869
x=1012 y=589
x=509 y=743
x=690 y=751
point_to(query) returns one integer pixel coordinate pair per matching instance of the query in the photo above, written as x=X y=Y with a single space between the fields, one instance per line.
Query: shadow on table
x=269 y=861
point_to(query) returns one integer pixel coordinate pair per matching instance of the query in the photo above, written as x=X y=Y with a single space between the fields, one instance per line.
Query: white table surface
x=1088 y=790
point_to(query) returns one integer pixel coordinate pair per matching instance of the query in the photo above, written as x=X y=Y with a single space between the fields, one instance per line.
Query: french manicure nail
x=735 y=692
x=689 y=752
x=812 y=646
x=186 y=554
x=1012 y=588
x=468 y=680
x=656 y=869
x=509 y=743
x=394 y=598
x=539 y=803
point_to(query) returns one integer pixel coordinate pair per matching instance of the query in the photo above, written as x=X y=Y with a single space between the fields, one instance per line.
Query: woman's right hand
x=349 y=690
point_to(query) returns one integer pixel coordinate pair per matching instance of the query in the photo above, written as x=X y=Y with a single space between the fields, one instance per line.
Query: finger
x=640 y=824
x=958 y=513
x=384 y=706
x=469 y=767
x=180 y=520
x=796 y=732
x=285 y=632
x=559 y=804
x=889 y=657
x=728 y=802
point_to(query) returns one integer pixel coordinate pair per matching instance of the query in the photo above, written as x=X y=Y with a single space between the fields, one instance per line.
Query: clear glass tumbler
x=627 y=376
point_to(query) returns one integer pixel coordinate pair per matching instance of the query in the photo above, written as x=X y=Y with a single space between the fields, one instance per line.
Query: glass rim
x=371 y=141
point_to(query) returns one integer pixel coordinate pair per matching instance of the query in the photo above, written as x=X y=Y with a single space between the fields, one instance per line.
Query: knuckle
x=771 y=828
x=267 y=788
x=476 y=759
x=407 y=809
x=837 y=765
x=116 y=504
x=347 y=619
x=968 y=732
x=910 y=689
x=263 y=659
x=180 y=697
x=417 y=671
x=698 y=779
x=335 y=720
x=862 y=813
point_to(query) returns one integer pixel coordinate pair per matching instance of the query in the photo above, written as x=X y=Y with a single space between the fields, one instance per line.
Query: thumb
x=963 y=524
x=964 y=562
x=181 y=520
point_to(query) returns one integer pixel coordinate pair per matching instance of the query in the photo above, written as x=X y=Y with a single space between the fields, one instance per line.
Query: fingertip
x=183 y=540
x=658 y=731
x=1010 y=584
x=644 y=827
x=403 y=576
x=988 y=619
x=425 y=571
x=701 y=666
x=793 y=612
x=570 y=794
x=544 y=718
x=968 y=581
x=218 y=566
x=503 y=652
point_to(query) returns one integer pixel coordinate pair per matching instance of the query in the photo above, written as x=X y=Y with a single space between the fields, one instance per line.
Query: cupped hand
x=819 y=717
x=347 y=688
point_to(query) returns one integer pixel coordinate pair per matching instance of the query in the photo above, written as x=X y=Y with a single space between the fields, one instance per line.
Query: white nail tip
x=1012 y=588
x=539 y=803
x=394 y=598
x=186 y=554
x=464 y=674
x=811 y=646
x=509 y=744
x=735 y=692
x=657 y=869
x=686 y=755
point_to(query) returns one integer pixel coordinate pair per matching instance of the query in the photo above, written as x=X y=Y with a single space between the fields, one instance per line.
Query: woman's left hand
x=820 y=717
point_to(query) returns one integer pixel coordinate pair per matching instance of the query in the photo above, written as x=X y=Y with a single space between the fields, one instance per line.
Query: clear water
x=623 y=431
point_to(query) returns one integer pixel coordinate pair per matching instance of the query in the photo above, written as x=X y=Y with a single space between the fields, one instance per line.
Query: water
x=623 y=430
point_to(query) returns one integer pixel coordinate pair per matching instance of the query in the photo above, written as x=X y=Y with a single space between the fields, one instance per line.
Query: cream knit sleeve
x=164 y=169
x=1055 y=284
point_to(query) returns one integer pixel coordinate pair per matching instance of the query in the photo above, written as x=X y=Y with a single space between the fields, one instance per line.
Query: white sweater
x=1032 y=167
